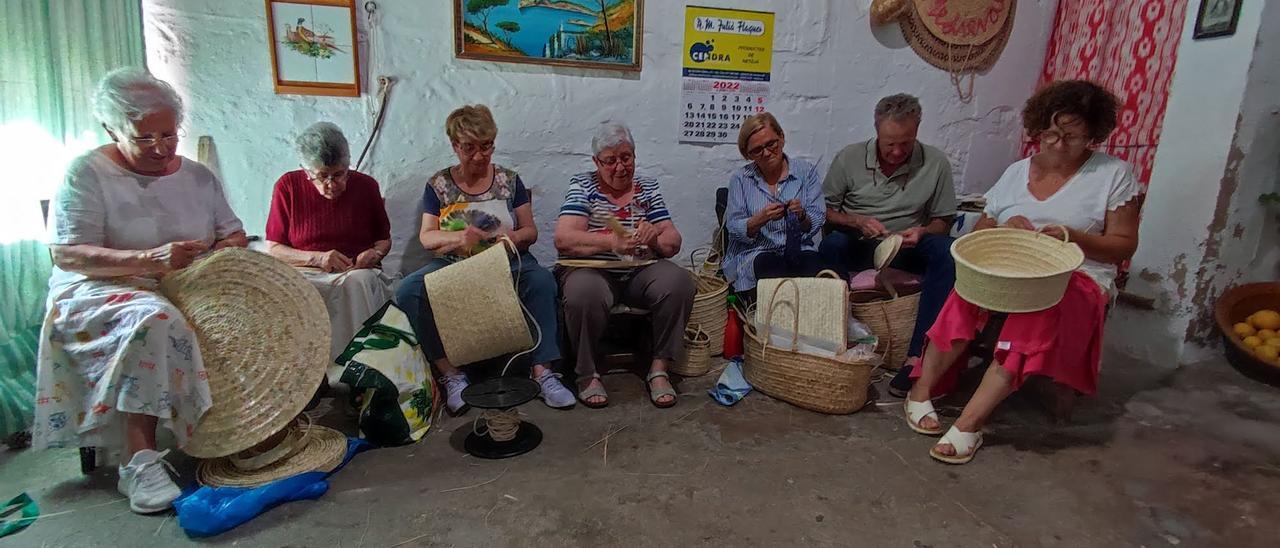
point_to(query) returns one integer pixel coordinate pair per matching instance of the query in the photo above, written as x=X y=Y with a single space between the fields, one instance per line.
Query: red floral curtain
x=1129 y=47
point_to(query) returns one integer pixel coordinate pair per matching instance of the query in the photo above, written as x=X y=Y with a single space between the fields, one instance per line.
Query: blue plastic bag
x=209 y=511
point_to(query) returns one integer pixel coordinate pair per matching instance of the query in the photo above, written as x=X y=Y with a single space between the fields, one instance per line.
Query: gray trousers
x=662 y=288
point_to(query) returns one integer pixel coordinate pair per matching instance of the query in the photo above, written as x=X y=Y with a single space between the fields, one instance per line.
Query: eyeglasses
x=1049 y=137
x=472 y=148
x=771 y=146
x=148 y=142
x=614 y=161
x=330 y=178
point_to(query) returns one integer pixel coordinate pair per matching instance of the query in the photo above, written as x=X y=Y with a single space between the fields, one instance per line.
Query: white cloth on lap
x=351 y=298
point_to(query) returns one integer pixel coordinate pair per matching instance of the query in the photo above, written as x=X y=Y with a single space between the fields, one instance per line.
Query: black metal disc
x=527 y=438
x=500 y=393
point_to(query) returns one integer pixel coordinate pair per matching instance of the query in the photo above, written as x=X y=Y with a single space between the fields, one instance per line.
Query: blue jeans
x=535 y=286
x=931 y=259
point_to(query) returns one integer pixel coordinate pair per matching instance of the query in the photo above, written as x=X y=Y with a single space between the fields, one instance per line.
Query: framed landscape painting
x=313 y=47
x=575 y=33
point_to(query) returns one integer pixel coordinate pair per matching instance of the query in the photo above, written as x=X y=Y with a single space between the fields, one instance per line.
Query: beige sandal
x=656 y=394
x=585 y=394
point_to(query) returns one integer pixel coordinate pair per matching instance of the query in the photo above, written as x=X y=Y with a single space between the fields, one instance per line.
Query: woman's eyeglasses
x=1050 y=137
x=771 y=146
x=148 y=142
x=621 y=159
x=331 y=178
x=472 y=148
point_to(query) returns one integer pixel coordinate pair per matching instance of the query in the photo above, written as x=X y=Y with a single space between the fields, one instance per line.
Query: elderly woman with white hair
x=610 y=214
x=330 y=221
x=116 y=359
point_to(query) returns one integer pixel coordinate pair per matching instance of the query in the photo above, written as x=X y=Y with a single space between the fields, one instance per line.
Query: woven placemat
x=264 y=336
x=950 y=56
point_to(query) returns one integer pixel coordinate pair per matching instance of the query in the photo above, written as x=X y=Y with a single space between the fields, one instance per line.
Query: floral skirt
x=109 y=347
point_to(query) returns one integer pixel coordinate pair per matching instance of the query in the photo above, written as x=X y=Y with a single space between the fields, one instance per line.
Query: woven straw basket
x=1013 y=270
x=476 y=308
x=892 y=320
x=697 y=353
x=825 y=385
x=825 y=300
x=264 y=336
x=710 y=309
x=324 y=451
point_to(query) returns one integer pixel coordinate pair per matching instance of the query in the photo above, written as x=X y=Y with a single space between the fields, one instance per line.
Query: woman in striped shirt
x=610 y=214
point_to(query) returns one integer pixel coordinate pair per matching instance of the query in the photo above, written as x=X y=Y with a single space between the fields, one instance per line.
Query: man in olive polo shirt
x=894 y=184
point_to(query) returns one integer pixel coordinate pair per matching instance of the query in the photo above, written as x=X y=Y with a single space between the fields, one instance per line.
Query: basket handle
x=888 y=287
x=1066 y=235
x=795 y=323
x=828 y=273
x=693 y=257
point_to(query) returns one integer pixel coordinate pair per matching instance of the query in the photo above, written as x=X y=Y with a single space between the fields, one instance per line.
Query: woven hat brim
x=951 y=57
x=264 y=338
x=325 y=450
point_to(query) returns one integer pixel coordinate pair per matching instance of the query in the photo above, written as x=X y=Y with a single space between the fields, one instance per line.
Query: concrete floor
x=1157 y=459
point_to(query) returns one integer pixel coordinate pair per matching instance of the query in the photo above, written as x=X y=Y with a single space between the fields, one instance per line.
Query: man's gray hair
x=126 y=95
x=610 y=134
x=899 y=108
x=323 y=145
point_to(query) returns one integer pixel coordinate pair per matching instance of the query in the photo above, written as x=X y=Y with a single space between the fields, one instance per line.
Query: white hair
x=126 y=95
x=610 y=134
x=323 y=145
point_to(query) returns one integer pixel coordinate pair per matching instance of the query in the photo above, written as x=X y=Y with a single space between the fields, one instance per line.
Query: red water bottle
x=732 y=332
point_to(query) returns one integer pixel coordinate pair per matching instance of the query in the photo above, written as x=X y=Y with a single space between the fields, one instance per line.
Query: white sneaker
x=145 y=480
x=553 y=392
x=453 y=387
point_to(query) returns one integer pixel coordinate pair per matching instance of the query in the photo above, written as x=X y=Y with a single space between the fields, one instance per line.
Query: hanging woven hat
x=264 y=336
x=305 y=448
x=888 y=11
x=959 y=36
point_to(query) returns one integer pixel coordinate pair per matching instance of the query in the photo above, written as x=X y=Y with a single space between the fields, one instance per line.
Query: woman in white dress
x=116 y=359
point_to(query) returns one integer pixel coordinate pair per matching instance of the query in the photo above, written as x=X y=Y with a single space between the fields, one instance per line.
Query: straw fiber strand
x=477 y=311
x=264 y=336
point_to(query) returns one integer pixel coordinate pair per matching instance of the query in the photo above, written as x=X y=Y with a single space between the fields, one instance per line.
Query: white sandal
x=917 y=411
x=966 y=445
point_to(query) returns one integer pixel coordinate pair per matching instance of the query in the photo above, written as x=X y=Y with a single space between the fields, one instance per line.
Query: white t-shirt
x=1103 y=184
x=105 y=205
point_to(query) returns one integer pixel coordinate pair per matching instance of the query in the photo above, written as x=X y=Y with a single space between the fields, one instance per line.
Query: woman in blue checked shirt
x=775 y=210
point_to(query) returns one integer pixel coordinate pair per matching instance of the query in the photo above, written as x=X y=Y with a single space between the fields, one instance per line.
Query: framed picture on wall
x=313 y=47
x=603 y=34
x=1217 y=18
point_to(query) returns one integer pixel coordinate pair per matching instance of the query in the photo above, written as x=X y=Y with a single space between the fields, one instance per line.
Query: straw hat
x=967 y=36
x=888 y=11
x=315 y=449
x=264 y=335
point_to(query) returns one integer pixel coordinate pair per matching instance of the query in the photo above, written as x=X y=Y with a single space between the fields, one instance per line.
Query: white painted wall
x=829 y=70
x=1208 y=127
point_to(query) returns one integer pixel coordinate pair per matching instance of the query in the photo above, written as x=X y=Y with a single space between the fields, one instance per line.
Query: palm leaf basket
x=824 y=385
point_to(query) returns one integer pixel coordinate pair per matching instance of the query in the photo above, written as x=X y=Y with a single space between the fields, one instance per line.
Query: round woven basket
x=710 y=307
x=1012 y=270
x=825 y=385
x=697 y=353
x=953 y=54
x=264 y=337
x=324 y=452
x=892 y=320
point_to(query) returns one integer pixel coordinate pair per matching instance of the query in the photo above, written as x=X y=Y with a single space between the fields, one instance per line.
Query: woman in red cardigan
x=330 y=221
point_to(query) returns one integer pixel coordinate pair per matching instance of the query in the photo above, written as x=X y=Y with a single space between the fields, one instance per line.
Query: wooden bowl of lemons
x=1249 y=318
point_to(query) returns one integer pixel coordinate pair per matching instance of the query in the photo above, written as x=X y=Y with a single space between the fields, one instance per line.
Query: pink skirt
x=1063 y=343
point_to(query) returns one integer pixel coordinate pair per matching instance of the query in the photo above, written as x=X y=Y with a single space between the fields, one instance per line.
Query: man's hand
x=869 y=226
x=911 y=236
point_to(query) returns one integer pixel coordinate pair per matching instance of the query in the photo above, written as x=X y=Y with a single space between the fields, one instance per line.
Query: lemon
x=1252 y=342
x=1266 y=334
x=1266 y=319
x=1272 y=342
x=1267 y=353
x=1243 y=329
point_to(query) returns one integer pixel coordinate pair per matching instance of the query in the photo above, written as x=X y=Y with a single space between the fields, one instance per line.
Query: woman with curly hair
x=1067 y=189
